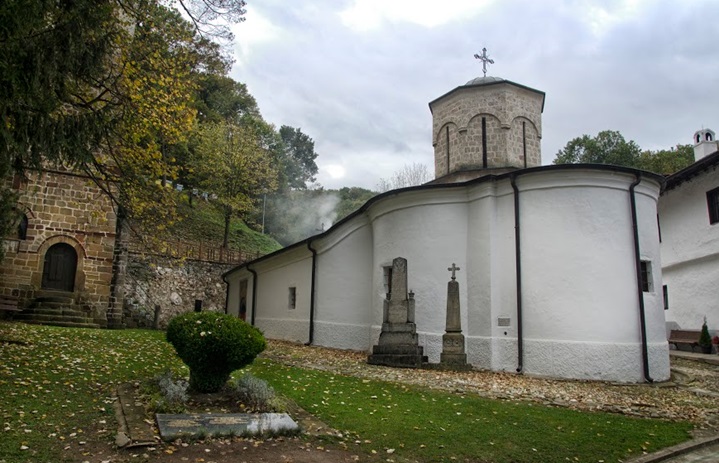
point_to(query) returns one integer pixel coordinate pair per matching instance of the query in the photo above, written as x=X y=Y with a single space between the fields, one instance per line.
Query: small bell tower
x=704 y=143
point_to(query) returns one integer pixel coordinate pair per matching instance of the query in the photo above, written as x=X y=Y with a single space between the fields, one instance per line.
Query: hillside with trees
x=137 y=96
x=610 y=147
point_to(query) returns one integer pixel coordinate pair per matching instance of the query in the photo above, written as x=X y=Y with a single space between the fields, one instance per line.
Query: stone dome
x=484 y=80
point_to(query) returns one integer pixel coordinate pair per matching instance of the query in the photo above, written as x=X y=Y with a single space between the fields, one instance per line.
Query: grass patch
x=60 y=382
x=426 y=425
x=204 y=223
x=56 y=384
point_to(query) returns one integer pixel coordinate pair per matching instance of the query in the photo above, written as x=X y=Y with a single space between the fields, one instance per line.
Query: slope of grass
x=204 y=223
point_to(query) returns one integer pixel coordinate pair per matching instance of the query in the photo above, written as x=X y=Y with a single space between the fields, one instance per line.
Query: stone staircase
x=57 y=308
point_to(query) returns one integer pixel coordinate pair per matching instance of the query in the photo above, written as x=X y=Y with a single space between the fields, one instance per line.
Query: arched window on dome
x=699 y=138
x=708 y=136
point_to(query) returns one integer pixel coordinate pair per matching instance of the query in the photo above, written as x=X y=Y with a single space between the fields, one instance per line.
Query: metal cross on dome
x=485 y=59
x=453 y=269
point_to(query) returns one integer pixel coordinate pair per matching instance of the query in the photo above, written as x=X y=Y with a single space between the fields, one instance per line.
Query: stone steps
x=56 y=311
x=62 y=323
x=59 y=297
x=57 y=308
x=42 y=317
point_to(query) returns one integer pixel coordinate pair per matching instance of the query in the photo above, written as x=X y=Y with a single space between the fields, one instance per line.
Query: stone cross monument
x=398 y=344
x=453 y=355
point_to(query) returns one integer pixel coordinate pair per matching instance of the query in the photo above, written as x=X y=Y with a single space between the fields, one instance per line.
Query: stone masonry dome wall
x=487 y=123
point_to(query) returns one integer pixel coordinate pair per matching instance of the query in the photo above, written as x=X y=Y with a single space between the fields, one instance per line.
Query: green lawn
x=55 y=382
x=437 y=426
x=60 y=381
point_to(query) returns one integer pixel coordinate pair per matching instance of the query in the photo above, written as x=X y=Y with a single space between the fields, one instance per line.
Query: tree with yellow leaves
x=233 y=165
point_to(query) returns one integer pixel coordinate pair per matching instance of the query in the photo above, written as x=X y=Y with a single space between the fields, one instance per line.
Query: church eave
x=686 y=174
x=461 y=87
x=431 y=186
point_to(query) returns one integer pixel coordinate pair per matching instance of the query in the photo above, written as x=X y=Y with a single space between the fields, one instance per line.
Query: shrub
x=213 y=345
x=172 y=395
x=705 y=340
x=254 y=393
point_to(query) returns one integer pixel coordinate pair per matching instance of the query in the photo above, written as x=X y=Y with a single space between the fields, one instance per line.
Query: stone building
x=560 y=264
x=60 y=257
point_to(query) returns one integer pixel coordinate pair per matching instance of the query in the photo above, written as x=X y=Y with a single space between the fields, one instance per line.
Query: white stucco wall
x=273 y=313
x=690 y=253
x=343 y=287
x=579 y=279
x=429 y=229
x=580 y=306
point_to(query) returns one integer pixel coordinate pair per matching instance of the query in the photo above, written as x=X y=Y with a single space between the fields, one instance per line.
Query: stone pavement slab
x=703 y=455
x=223 y=424
x=705 y=450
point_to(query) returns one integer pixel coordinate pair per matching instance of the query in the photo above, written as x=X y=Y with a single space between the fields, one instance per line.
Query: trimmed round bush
x=213 y=345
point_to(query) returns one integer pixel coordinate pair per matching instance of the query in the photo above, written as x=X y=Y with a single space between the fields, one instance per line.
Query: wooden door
x=58 y=271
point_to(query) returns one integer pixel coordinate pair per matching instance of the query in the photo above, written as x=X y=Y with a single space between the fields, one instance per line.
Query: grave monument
x=453 y=354
x=398 y=344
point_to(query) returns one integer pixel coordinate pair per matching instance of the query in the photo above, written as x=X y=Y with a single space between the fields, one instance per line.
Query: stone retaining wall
x=174 y=285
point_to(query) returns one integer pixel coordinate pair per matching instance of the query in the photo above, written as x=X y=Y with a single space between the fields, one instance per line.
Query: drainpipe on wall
x=638 y=268
x=312 y=294
x=518 y=268
x=227 y=296
x=254 y=295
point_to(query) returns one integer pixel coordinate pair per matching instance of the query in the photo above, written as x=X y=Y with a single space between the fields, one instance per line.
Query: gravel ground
x=692 y=394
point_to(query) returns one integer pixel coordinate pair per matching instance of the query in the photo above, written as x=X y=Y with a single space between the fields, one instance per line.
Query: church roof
x=307 y=242
x=699 y=167
x=486 y=81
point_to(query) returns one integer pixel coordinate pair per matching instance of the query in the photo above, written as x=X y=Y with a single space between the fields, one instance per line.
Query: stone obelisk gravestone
x=453 y=354
x=398 y=342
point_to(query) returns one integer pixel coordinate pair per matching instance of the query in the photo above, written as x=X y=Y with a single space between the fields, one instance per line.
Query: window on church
x=713 y=204
x=665 y=293
x=646 y=269
x=292 y=298
x=708 y=136
x=22 y=228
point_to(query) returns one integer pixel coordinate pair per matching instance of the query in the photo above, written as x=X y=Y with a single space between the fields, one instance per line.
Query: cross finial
x=453 y=269
x=485 y=59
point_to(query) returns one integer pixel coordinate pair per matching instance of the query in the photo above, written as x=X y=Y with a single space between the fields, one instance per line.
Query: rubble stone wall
x=172 y=284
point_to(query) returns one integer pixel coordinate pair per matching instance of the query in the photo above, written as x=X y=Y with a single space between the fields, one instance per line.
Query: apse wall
x=579 y=285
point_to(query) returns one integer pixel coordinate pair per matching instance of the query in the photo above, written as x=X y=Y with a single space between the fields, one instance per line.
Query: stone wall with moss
x=172 y=284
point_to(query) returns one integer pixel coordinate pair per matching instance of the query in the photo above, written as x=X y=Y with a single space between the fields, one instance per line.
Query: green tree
x=351 y=199
x=608 y=147
x=668 y=161
x=221 y=98
x=297 y=157
x=74 y=74
x=233 y=166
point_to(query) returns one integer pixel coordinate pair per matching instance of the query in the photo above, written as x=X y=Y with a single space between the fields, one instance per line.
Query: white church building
x=560 y=270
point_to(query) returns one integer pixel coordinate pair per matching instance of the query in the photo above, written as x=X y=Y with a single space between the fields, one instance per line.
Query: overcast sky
x=357 y=75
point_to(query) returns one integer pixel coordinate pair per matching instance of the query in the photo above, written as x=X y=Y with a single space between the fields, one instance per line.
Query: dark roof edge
x=486 y=178
x=487 y=85
x=677 y=178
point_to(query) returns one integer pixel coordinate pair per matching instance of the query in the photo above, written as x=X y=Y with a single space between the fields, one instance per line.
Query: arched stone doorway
x=58 y=272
